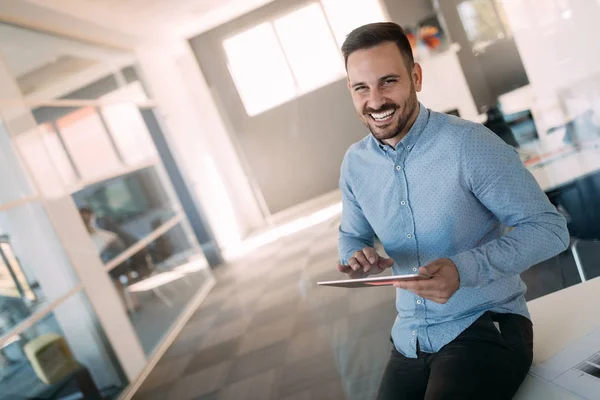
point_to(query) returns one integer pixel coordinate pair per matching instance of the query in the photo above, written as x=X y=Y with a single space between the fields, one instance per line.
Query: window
x=259 y=69
x=312 y=53
x=296 y=53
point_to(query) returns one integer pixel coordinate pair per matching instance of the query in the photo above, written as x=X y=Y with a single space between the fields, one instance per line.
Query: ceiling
x=40 y=61
x=154 y=18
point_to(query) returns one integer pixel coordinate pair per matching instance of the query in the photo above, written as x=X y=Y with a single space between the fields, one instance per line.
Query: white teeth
x=383 y=115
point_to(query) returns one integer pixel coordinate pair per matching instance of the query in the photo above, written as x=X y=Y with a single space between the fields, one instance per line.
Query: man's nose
x=376 y=100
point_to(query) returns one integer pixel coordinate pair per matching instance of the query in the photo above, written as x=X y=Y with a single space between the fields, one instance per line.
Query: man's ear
x=417 y=76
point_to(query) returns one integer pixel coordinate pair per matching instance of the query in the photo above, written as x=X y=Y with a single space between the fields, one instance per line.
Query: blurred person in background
x=439 y=193
x=109 y=245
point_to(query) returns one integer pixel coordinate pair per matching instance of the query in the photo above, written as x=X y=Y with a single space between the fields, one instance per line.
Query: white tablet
x=375 y=281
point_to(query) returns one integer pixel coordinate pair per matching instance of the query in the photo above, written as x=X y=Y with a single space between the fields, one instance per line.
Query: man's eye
x=359 y=88
x=390 y=81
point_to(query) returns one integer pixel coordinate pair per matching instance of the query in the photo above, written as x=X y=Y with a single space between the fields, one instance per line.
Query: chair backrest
x=587 y=254
x=581 y=201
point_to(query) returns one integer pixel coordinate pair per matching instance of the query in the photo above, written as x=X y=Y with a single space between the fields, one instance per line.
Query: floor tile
x=307 y=344
x=166 y=371
x=277 y=295
x=325 y=313
x=228 y=315
x=224 y=333
x=274 y=313
x=306 y=374
x=200 y=383
x=261 y=386
x=330 y=391
x=210 y=396
x=213 y=355
x=259 y=338
x=154 y=393
x=258 y=361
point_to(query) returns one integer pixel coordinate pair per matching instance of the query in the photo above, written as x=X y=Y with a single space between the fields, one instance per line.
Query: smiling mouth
x=383 y=116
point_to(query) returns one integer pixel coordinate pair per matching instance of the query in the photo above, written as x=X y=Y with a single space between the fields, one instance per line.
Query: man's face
x=384 y=91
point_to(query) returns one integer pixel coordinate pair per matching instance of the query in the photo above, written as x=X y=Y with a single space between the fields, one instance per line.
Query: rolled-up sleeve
x=355 y=232
x=495 y=174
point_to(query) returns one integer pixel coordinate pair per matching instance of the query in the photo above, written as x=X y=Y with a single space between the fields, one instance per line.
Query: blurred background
x=169 y=171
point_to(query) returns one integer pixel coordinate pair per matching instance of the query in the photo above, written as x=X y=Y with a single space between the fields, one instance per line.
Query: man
x=439 y=192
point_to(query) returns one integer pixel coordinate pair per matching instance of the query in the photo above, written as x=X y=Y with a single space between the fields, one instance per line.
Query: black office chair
x=497 y=124
x=580 y=202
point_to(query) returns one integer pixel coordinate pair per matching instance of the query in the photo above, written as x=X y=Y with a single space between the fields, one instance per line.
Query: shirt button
x=419 y=301
x=409 y=236
x=403 y=202
x=408 y=147
x=412 y=340
x=414 y=333
x=414 y=269
x=398 y=168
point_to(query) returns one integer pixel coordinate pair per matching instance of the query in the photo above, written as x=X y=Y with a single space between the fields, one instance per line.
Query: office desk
x=565 y=166
x=560 y=319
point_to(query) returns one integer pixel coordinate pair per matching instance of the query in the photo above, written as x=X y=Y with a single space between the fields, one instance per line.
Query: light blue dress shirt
x=450 y=189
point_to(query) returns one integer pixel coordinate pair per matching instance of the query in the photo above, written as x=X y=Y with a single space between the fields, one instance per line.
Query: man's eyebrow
x=383 y=78
x=358 y=84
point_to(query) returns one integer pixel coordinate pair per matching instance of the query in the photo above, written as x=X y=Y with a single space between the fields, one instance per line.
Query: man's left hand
x=441 y=287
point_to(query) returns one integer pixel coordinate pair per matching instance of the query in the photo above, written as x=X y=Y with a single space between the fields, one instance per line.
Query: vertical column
x=200 y=141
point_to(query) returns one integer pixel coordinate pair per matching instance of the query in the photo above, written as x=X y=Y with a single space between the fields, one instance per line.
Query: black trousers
x=481 y=363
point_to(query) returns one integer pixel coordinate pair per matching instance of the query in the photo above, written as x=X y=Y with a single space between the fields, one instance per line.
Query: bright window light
x=309 y=47
x=346 y=15
x=259 y=69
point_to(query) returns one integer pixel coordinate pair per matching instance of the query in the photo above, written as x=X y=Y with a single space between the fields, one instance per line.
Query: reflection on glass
x=482 y=23
x=48 y=162
x=33 y=267
x=121 y=211
x=88 y=143
x=156 y=283
x=17 y=285
x=65 y=361
x=129 y=132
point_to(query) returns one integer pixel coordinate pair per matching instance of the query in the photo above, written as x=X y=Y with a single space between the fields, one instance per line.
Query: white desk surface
x=567 y=168
x=563 y=317
x=559 y=319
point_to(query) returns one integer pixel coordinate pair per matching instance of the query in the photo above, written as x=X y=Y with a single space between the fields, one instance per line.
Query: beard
x=402 y=114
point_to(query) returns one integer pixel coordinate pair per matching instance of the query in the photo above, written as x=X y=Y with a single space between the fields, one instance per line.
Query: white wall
x=198 y=137
x=558 y=44
x=445 y=86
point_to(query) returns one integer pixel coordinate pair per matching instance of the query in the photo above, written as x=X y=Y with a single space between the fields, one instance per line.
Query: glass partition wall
x=95 y=249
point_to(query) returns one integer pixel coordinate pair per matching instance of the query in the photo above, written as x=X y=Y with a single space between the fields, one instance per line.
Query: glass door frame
x=93 y=278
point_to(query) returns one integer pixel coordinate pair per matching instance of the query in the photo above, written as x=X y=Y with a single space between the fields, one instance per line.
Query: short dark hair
x=371 y=35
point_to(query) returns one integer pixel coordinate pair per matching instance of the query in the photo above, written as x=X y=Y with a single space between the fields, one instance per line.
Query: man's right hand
x=365 y=262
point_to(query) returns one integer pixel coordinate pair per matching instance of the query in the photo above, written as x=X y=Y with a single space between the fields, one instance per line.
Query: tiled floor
x=266 y=331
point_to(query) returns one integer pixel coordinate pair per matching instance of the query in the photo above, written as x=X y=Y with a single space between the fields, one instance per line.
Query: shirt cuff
x=467 y=267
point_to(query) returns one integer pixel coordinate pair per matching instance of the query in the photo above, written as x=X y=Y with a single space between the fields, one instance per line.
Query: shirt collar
x=413 y=134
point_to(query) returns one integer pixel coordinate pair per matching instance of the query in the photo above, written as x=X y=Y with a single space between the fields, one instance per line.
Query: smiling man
x=440 y=192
